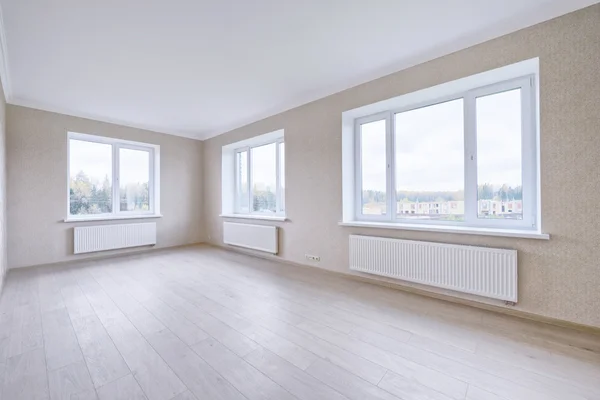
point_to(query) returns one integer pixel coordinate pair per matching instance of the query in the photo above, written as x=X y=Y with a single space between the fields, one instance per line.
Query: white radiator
x=475 y=270
x=256 y=237
x=109 y=237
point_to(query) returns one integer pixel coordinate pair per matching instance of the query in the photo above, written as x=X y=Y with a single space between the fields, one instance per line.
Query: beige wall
x=37 y=181
x=3 y=243
x=559 y=278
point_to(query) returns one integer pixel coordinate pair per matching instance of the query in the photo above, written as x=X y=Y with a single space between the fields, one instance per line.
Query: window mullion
x=237 y=184
x=281 y=169
x=151 y=183
x=470 y=127
x=357 y=171
x=249 y=180
x=277 y=180
x=528 y=155
x=116 y=179
x=391 y=169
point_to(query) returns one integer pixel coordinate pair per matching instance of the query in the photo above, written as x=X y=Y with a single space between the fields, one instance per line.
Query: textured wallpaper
x=559 y=278
x=3 y=222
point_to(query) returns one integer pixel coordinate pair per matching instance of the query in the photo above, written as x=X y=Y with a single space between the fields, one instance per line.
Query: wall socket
x=312 y=258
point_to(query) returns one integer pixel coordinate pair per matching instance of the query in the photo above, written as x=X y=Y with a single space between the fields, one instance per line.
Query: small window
x=110 y=177
x=467 y=159
x=260 y=178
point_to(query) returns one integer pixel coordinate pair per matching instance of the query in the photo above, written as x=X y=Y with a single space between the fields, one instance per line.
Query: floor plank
x=245 y=378
x=361 y=367
x=125 y=388
x=195 y=373
x=25 y=332
x=407 y=388
x=475 y=393
x=426 y=376
x=103 y=360
x=478 y=368
x=154 y=376
x=62 y=347
x=25 y=377
x=227 y=336
x=72 y=381
x=188 y=332
x=291 y=378
x=347 y=383
x=185 y=396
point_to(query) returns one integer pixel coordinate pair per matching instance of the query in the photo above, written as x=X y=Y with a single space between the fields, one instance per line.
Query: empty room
x=304 y=200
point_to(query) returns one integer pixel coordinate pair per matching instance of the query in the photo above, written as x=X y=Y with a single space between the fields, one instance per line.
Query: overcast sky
x=430 y=146
x=263 y=166
x=95 y=159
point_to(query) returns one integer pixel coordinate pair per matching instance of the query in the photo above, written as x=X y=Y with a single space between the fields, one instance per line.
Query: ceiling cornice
x=4 y=72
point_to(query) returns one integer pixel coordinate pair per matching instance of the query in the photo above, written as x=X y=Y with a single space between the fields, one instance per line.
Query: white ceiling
x=198 y=68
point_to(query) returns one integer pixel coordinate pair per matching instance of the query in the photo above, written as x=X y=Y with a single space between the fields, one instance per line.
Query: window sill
x=110 y=218
x=450 y=229
x=253 y=216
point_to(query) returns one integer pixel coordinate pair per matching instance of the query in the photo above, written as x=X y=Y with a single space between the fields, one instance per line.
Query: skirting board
x=398 y=286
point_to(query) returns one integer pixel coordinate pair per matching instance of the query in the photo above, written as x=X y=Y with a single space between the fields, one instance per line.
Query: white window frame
x=279 y=202
x=117 y=145
x=529 y=157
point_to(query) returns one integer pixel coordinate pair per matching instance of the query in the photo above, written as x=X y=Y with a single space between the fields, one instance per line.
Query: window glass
x=282 y=175
x=499 y=165
x=373 y=168
x=134 y=180
x=430 y=162
x=264 y=178
x=90 y=177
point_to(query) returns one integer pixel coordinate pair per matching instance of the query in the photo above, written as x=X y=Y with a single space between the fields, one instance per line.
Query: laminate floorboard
x=71 y=382
x=204 y=323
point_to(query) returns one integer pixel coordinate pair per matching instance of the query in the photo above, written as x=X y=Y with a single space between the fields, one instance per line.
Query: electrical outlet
x=312 y=258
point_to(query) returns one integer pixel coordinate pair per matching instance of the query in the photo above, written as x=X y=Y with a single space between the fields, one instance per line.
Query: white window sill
x=88 y=218
x=450 y=229
x=256 y=216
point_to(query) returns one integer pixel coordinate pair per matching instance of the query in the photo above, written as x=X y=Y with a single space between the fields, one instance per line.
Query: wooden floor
x=202 y=323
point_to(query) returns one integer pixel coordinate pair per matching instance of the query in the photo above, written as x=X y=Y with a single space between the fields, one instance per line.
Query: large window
x=260 y=178
x=110 y=178
x=467 y=159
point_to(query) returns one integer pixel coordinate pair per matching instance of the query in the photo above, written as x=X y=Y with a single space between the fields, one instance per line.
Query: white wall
x=3 y=219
